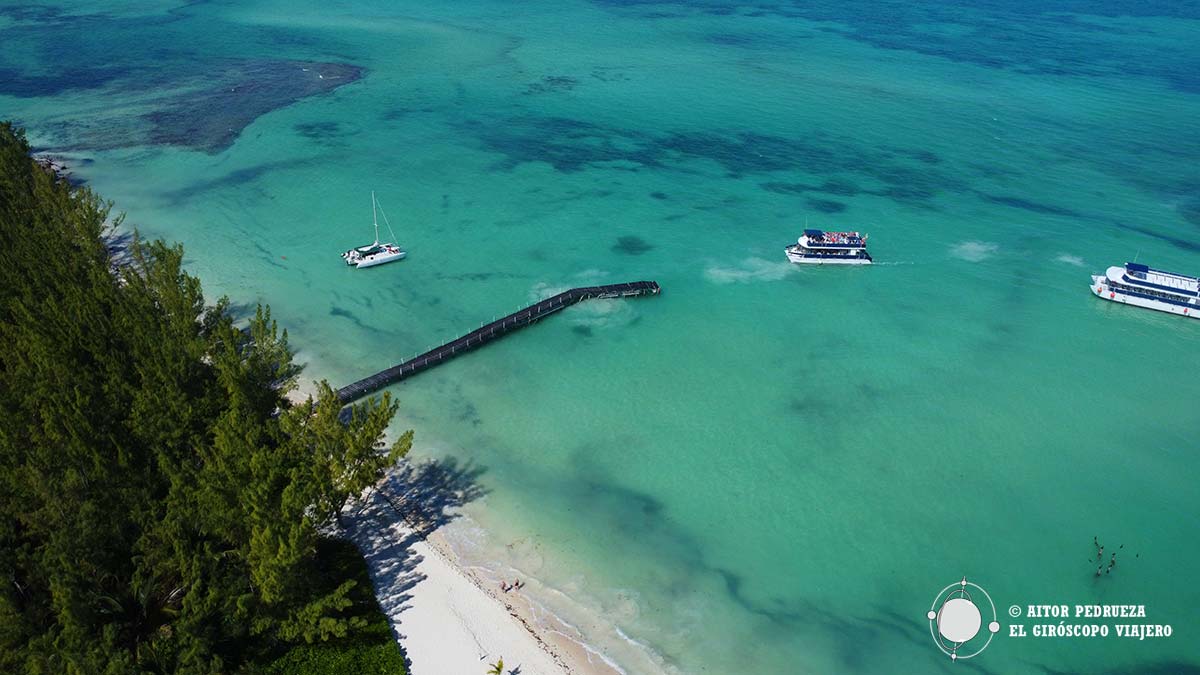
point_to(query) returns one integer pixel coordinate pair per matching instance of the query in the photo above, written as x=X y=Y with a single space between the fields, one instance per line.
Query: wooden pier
x=492 y=331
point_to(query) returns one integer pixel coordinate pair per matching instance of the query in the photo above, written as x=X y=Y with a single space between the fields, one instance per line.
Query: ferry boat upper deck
x=819 y=239
x=1144 y=286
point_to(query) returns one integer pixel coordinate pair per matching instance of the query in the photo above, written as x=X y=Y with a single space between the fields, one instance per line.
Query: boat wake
x=750 y=269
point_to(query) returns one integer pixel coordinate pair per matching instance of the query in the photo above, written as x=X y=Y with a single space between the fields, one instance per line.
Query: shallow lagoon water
x=767 y=468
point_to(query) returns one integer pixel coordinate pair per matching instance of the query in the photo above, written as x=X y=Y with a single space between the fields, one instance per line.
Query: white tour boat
x=817 y=247
x=1144 y=286
x=377 y=253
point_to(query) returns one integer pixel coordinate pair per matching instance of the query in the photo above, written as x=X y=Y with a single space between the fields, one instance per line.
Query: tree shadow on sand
x=428 y=495
x=406 y=507
x=119 y=245
x=386 y=546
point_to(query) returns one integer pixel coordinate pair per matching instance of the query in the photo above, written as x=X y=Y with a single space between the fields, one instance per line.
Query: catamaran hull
x=826 y=260
x=1101 y=289
x=379 y=260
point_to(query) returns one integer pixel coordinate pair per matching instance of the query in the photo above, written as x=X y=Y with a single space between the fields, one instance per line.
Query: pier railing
x=492 y=331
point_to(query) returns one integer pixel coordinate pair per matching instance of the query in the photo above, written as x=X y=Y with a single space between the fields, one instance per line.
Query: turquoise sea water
x=766 y=469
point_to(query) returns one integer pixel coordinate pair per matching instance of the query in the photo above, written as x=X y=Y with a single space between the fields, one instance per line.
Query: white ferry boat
x=817 y=247
x=377 y=253
x=1144 y=286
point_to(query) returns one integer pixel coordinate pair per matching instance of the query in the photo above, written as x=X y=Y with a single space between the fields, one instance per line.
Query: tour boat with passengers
x=376 y=253
x=1145 y=286
x=830 y=248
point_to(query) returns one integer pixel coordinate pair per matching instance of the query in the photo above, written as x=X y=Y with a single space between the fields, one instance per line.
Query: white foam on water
x=974 y=251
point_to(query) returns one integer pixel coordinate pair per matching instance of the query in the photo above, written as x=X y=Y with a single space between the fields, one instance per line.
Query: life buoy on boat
x=1111 y=295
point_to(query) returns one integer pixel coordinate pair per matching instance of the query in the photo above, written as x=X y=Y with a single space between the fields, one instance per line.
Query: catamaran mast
x=375 y=217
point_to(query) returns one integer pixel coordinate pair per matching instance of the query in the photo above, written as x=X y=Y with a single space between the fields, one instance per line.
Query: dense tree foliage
x=161 y=502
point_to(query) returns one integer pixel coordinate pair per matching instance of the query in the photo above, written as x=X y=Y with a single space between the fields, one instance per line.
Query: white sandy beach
x=447 y=619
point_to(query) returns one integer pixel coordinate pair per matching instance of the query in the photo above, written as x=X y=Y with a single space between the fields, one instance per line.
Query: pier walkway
x=492 y=331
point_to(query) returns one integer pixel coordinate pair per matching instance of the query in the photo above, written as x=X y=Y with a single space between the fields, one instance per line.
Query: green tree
x=161 y=500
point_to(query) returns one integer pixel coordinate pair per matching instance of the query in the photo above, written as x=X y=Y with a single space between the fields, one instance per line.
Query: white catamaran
x=377 y=253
